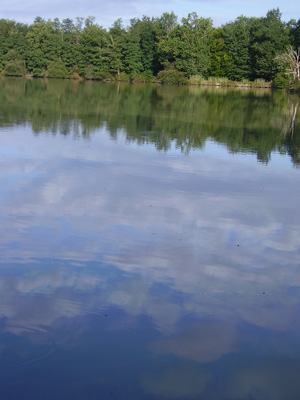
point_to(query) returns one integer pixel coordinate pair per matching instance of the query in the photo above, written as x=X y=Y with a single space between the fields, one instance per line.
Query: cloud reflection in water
x=200 y=268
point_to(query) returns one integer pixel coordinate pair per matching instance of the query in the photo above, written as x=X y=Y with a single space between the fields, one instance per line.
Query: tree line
x=248 y=48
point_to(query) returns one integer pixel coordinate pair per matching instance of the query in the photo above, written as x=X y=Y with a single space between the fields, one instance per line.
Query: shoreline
x=210 y=82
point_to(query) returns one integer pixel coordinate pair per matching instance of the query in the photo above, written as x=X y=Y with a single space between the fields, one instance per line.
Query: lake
x=150 y=242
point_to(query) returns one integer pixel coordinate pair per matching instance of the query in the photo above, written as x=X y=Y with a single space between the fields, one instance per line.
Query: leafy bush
x=295 y=85
x=146 y=76
x=89 y=72
x=123 y=77
x=281 y=81
x=39 y=72
x=171 y=75
x=15 y=68
x=57 y=69
x=261 y=83
x=195 y=79
x=104 y=76
x=75 y=73
x=14 y=65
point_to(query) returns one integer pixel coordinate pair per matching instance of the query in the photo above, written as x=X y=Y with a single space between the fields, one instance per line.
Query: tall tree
x=221 y=62
x=237 y=39
x=92 y=48
x=44 y=45
x=132 y=54
x=114 y=47
x=12 y=37
x=268 y=39
x=147 y=33
x=165 y=24
x=293 y=28
x=187 y=45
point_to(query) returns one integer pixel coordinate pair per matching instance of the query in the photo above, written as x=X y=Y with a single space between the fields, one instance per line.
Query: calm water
x=150 y=242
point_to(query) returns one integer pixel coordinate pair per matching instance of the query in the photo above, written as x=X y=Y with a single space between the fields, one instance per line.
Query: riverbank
x=194 y=81
x=223 y=82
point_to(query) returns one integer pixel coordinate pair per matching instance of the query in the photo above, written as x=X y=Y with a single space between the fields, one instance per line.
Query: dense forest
x=264 y=49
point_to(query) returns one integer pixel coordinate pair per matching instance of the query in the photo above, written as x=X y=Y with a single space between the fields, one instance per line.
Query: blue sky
x=106 y=12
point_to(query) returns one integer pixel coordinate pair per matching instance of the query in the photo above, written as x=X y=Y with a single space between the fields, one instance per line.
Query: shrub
x=15 y=68
x=171 y=75
x=146 y=76
x=39 y=72
x=195 y=79
x=104 y=76
x=295 y=85
x=123 y=77
x=89 y=72
x=281 y=81
x=75 y=73
x=261 y=83
x=14 y=65
x=57 y=69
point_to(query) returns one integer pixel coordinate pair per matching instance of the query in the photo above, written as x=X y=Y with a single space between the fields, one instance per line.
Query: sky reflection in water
x=130 y=273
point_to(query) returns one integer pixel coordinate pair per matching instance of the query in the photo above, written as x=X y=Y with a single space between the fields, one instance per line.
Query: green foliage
x=165 y=24
x=187 y=45
x=131 y=52
x=195 y=79
x=146 y=31
x=294 y=85
x=289 y=63
x=14 y=65
x=104 y=76
x=44 y=46
x=114 y=47
x=293 y=30
x=89 y=72
x=261 y=83
x=171 y=75
x=268 y=39
x=75 y=72
x=221 y=62
x=236 y=36
x=245 y=49
x=15 y=68
x=12 y=37
x=57 y=69
x=123 y=77
x=93 y=40
x=143 y=77
x=280 y=81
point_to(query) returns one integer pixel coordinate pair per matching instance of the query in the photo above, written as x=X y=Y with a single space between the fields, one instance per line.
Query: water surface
x=150 y=242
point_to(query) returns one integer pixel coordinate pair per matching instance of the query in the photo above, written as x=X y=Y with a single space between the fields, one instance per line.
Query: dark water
x=150 y=242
